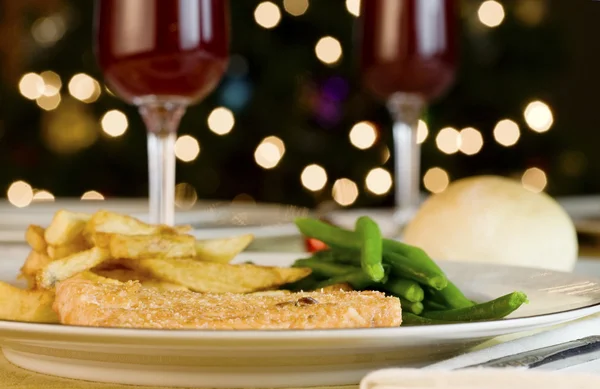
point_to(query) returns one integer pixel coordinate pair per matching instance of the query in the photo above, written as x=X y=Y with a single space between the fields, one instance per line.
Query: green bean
x=491 y=310
x=410 y=319
x=358 y=280
x=406 y=289
x=307 y=283
x=410 y=262
x=371 y=248
x=325 y=269
x=407 y=268
x=431 y=305
x=452 y=296
x=410 y=306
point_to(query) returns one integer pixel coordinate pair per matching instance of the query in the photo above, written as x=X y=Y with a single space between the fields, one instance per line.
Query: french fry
x=124 y=275
x=59 y=252
x=222 y=250
x=89 y=275
x=65 y=227
x=26 y=305
x=35 y=238
x=212 y=277
x=33 y=264
x=110 y=222
x=151 y=246
x=67 y=267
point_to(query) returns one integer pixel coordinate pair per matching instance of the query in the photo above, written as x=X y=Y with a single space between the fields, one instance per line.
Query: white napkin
x=443 y=374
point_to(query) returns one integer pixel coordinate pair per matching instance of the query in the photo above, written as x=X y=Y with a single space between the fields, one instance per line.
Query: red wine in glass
x=162 y=55
x=408 y=58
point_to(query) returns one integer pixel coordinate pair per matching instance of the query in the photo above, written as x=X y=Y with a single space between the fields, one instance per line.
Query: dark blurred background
x=290 y=122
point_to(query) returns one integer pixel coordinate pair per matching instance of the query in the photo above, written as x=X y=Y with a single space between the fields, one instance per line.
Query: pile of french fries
x=110 y=247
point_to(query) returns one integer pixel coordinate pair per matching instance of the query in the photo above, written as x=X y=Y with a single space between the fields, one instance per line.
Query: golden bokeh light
x=538 y=116
x=92 y=195
x=114 y=123
x=344 y=192
x=42 y=195
x=353 y=6
x=313 y=177
x=267 y=14
x=491 y=13
x=70 y=128
x=243 y=198
x=436 y=180
x=507 y=133
x=269 y=152
x=52 y=83
x=328 y=50
x=471 y=141
x=385 y=155
x=48 y=103
x=379 y=181
x=534 y=179
x=187 y=148
x=84 y=88
x=295 y=7
x=530 y=12
x=47 y=31
x=185 y=195
x=363 y=135
x=31 y=86
x=221 y=121
x=448 y=140
x=20 y=194
x=422 y=132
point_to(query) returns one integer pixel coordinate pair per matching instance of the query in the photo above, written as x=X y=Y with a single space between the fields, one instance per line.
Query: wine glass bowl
x=162 y=56
x=408 y=59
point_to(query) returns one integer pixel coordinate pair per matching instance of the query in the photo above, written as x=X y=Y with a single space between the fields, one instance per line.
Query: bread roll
x=495 y=220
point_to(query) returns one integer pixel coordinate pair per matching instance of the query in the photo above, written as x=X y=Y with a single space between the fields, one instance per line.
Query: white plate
x=209 y=219
x=229 y=359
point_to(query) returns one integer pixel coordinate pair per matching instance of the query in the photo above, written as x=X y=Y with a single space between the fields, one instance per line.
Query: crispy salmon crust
x=87 y=303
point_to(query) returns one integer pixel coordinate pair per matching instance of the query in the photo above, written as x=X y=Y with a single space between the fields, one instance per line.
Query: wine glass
x=408 y=58
x=162 y=56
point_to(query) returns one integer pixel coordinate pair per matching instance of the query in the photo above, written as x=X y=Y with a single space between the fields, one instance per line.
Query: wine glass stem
x=162 y=121
x=406 y=109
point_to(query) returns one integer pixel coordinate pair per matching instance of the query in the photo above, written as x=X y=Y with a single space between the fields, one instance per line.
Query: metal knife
x=557 y=357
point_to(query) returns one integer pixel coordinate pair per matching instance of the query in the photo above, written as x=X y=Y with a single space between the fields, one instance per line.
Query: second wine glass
x=162 y=56
x=408 y=59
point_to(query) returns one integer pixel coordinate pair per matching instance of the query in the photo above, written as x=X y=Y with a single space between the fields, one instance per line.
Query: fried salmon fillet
x=87 y=303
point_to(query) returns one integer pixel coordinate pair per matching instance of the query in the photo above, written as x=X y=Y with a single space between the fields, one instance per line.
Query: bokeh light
x=363 y=135
x=344 y=192
x=185 y=195
x=507 y=133
x=491 y=13
x=46 y=31
x=538 y=116
x=353 y=6
x=269 y=152
x=267 y=14
x=379 y=181
x=295 y=7
x=534 y=179
x=52 y=83
x=20 y=194
x=422 y=132
x=471 y=141
x=114 y=123
x=92 y=195
x=385 y=155
x=448 y=140
x=328 y=50
x=313 y=177
x=42 y=195
x=31 y=86
x=436 y=180
x=187 y=148
x=221 y=121
x=48 y=103
x=84 y=88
